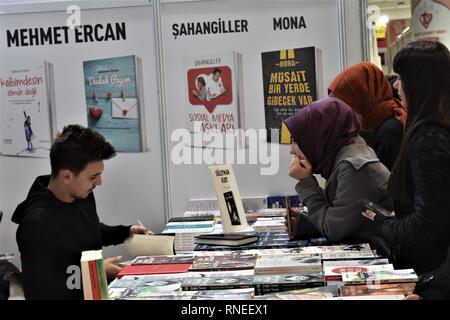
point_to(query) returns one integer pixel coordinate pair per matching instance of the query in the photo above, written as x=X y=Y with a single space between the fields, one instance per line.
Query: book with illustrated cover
x=283 y=282
x=334 y=273
x=28 y=110
x=226 y=294
x=292 y=80
x=315 y=293
x=173 y=259
x=229 y=198
x=378 y=277
x=292 y=263
x=235 y=261
x=351 y=255
x=114 y=101
x=214 y=94
x=158 y=284
x=217 y=283
x=227 y=239
x=379 y=289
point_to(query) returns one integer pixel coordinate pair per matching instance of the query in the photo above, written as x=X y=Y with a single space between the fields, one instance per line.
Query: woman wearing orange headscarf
x=366 y=90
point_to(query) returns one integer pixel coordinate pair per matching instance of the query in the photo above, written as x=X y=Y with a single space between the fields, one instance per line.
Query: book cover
x=292 y=80
x=229 y=198
x=214 y=94
x=172 y=259
x=217 y=283
x=150 y=280
x=226 y=294
x=283 y=282
x=28 y=110
x=150 y=245
x=334 y=273
x=153 y=269
x=234 y=261
x=378 y=289
x=377 y=277
x=293 y=263
x=315 y=293
x=114 y=101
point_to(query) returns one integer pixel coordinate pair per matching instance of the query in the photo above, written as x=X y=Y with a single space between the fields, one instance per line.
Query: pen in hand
x=141 y=224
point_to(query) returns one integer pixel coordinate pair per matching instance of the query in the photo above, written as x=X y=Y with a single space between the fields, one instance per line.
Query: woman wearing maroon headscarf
x=365 y=88
x=326 y=142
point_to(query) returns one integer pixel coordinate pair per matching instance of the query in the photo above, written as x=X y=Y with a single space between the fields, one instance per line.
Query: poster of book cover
x=291 y=80
x=229 y=199
x=28 y=119
x=213 y=93
x=114 y=103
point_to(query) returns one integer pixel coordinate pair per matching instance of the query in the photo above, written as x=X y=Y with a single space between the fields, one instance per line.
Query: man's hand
x=111 y=268
x=137 y=229
x=300 y=168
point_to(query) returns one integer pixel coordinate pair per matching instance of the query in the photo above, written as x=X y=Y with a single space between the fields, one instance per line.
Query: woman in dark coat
x=420 y=180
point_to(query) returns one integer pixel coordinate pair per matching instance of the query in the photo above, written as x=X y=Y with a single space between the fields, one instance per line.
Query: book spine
x=93 y=275
x=222 y=287
x=102 y=280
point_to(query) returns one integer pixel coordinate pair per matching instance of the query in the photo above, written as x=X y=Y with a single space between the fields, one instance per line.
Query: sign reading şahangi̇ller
x=289 y=84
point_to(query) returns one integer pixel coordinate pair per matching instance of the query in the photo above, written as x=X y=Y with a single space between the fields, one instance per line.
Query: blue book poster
x=113 y=102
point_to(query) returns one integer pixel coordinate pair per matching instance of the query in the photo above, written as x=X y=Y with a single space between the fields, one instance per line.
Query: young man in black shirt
x=58 y=220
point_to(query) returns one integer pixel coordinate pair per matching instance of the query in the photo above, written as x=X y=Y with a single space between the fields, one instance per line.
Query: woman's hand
x=300 y=168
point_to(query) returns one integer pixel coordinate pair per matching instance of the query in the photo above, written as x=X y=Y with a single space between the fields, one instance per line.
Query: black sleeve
x=114 y=235
x=386 y=142
x=430 y=167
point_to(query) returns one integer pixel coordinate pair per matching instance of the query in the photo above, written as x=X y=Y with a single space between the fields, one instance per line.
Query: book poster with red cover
x=212 y=93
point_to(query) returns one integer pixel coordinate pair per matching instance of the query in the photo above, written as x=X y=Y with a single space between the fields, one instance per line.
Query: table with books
x=272 y=267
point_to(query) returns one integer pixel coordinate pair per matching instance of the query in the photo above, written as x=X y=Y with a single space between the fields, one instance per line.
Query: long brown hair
x=424 y=70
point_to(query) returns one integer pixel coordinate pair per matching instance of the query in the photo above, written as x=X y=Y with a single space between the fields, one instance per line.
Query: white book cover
x=349 y=255
x=335 y=272
x=288 y=264
x=364 y=262
x=214 y=94
x=375 y=277
x=365 y=247
x=230 y=203
x=28 y=116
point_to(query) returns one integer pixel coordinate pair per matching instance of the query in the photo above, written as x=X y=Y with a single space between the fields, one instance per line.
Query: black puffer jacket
x=422 y=225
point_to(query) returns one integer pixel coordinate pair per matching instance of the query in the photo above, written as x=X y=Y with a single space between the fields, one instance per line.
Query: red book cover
x=153 y=269
x=94 y=280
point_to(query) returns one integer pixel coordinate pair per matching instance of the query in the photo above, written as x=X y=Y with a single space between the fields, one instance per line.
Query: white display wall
x=322 y=31
x=137 y=186
x=132 y=182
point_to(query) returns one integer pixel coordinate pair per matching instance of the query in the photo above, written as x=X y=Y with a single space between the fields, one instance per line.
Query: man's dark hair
x=217 y=70
x=75 y=147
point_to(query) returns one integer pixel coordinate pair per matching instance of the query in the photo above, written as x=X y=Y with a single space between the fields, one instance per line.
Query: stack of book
x=93 y=275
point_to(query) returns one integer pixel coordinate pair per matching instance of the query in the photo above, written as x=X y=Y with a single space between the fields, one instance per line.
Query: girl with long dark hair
x=420 y=179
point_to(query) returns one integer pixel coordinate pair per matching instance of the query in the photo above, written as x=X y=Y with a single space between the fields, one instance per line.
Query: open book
x=150 y=245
